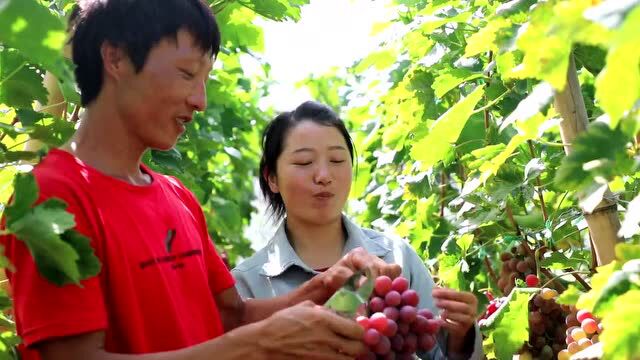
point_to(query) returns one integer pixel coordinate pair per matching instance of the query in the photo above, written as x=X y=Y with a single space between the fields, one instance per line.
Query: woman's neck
x=319 y=246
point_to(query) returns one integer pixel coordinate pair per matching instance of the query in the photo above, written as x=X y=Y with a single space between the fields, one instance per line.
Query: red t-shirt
x=159 y=273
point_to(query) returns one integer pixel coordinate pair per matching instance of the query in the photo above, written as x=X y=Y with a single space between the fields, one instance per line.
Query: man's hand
x=320 y=288
x=309 y=331
x=459 y=315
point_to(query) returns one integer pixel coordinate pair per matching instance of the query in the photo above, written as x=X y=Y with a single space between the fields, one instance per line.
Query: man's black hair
x=135 y=26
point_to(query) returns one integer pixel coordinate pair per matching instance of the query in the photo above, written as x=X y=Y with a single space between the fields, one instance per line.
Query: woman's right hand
x=309 y=331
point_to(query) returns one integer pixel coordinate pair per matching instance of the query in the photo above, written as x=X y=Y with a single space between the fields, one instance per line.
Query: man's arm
x=304 y=331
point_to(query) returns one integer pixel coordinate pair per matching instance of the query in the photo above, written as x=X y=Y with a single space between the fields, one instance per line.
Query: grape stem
x=554 y=278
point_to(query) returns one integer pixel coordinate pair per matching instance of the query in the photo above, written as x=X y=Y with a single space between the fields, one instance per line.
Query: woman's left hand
x=459 y=312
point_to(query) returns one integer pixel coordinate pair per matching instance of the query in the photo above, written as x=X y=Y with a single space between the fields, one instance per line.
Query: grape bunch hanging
x=395 y=327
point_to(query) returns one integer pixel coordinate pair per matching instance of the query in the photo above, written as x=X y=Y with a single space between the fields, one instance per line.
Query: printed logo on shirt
x=168 y=240
x=174 y=259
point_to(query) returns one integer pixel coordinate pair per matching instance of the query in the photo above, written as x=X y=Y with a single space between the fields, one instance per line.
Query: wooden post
x=603 y=221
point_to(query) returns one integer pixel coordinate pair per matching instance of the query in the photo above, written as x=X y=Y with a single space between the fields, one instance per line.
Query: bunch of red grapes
x=396 y=328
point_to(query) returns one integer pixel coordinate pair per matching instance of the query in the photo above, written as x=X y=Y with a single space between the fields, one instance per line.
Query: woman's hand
x=459 y=314
x=320 y=288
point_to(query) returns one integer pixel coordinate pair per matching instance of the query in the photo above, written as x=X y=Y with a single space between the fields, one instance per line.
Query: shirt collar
x=281 y=255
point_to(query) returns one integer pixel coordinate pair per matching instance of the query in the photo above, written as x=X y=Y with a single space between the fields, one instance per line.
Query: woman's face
x=313 y=173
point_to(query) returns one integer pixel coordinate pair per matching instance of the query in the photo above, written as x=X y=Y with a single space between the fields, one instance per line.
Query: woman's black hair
x=274 y=136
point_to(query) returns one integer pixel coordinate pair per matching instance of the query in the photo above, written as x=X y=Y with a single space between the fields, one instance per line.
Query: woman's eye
x=186 y=74
x=302 y=163
x=337 y=161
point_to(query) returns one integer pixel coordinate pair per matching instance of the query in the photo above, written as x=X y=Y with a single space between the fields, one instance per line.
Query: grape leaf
x=20 y=84
x=570 y=296
x=511 y=326
x=621 y=339
x=39 y=35
x=618 y=85
x=598 y=152
x=445 y=131
x=450 y=78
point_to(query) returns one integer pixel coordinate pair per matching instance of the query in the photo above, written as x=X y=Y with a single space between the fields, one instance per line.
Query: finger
x=449 y=294
x=455 y=307
x=463 y=320
x=359 y=259
x=336 y=276
x=344 y=327
x=347 y=347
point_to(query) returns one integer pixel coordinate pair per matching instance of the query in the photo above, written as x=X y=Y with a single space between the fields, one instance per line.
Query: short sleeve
x=43 y=310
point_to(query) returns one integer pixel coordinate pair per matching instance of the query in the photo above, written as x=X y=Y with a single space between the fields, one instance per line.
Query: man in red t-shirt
x=163 y=292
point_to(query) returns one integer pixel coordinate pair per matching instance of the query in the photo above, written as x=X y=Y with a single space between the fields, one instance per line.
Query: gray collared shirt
x=276 y=270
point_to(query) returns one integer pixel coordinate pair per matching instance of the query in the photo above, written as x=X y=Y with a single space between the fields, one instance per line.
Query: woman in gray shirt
x=306 y=173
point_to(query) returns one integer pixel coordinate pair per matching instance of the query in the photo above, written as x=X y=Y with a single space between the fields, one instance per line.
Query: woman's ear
x=272 y=180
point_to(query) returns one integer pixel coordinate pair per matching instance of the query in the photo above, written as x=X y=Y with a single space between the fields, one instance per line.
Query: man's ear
x=115 y=61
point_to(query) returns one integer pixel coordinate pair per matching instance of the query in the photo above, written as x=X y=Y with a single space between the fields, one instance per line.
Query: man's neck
x=103 y=142
x=319 y=246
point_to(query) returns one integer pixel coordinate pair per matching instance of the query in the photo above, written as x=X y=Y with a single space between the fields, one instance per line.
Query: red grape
x=393 y=298
x=410 y=343
x=434 y=326
x=391 y=313
x=397 y=342
x=400 y=284
x=376 y=304
x=391 y=329
x=378 y=321
x=383 y=347
x=532 y=280
x=582 y=315
x=410 y=297
x=382 y=285
x=408 y=314
x=426 y=313
x=426 y=342
x=421 y=325
x=371 y=337
x=363 y=321
x=403 y=328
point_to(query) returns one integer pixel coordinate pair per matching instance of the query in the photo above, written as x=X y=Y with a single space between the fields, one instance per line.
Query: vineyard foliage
x=459 y=147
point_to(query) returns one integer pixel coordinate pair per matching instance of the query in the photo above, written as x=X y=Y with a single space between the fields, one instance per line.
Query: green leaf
x=599 y=152
x=619 y=283
x=450 y=78
x=570 y=296
x=512 y=326
x=626 y=252
x=39 y=35
x=40 y=229
x=533 y=169
x=277 y=10
x=88 y=263
x=540 y=96
x=464 y=242
x=236 y=23
x=598 y=282
x=450 y=271
x=486 y=38
x=621 y=339
x=379 y=60
x=170 y=159
x=445 y=131
x=26 y=193
x=20 y=84
x=558 y=261
x=618 y=85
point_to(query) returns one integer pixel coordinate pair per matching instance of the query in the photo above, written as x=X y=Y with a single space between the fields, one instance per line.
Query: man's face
x=158 y=101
